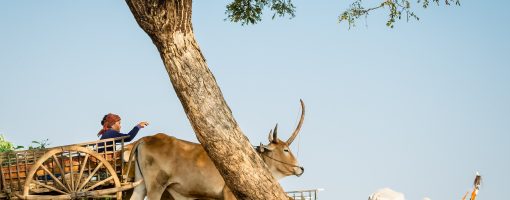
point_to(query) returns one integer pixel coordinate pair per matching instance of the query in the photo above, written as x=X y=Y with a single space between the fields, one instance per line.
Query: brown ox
x=185 y=170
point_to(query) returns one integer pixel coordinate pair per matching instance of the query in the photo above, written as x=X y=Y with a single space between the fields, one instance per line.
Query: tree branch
x=395 y=9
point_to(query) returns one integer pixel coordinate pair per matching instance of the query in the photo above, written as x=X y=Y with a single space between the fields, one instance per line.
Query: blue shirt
x=114 y=134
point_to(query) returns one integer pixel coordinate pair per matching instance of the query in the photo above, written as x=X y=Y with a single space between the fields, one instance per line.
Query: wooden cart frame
x=88 y=170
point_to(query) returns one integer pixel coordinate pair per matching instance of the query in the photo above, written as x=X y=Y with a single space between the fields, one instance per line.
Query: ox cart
x=80 y=171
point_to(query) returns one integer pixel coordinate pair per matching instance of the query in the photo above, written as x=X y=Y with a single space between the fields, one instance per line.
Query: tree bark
x=168 y=24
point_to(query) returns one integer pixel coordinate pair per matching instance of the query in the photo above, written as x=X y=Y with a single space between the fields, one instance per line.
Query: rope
x=138 y=162
x=280 y=161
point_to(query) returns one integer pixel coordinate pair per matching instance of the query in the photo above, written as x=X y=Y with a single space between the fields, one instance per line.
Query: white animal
x=386 y=194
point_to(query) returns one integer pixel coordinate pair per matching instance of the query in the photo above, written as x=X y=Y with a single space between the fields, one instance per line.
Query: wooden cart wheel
x=69 y=173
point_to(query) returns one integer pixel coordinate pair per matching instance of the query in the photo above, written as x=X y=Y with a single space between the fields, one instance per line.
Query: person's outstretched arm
x=134 y=131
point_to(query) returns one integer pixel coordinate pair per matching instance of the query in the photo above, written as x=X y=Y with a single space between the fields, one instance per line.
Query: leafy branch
x=39 y=144
x=250 y=11
x=395 y=10
x=6 y=146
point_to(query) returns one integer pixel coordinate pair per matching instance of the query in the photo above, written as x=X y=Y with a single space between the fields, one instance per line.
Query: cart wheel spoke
x=71 y=165
x=90 y=176
x=49 y=187
x=85 y=160
x=62 y=171
x=98 y=184
x=54 y=178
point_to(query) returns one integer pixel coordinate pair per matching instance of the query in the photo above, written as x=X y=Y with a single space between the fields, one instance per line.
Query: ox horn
x=293 y=136
x=273 y=138
x=270 y=136
x=275 y=134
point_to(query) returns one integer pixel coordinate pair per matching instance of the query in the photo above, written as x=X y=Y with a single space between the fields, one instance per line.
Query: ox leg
x=167 y=195
x=176 y=195
x=155 y=192
x=139 y=192
x=156 y=184
x=227 y=194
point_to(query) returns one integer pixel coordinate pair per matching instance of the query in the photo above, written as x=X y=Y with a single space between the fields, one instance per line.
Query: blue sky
x=418 y=108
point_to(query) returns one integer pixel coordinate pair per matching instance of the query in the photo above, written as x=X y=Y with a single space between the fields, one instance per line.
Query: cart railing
x=304 y=194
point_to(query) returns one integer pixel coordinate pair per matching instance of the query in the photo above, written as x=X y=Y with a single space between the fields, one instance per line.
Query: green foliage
x=39 y=144
x=6 y=146
x=250 y=11
x=395 y=10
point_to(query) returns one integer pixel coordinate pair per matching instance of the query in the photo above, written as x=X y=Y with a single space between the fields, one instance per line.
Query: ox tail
x=133 y=158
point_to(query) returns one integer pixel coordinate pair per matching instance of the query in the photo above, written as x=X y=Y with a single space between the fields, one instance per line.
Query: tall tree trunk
x=168 y=24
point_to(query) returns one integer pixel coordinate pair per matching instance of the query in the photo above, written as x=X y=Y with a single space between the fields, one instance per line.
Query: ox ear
x=260 y=148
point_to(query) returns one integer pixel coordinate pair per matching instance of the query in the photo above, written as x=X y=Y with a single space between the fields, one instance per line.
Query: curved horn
x=293 y=136
x=275 y=134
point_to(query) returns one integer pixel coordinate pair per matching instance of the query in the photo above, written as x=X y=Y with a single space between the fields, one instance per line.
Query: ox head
x=277 y=155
